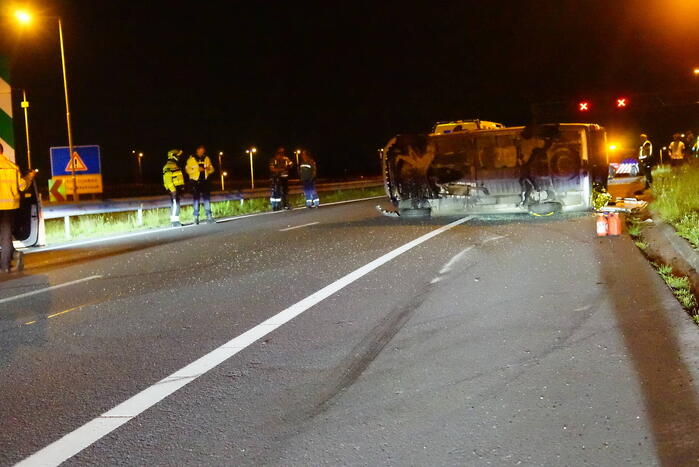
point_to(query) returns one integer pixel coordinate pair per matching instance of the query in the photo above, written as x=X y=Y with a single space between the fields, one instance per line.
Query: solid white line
x=79 y=439
x=298 y=226
x=102 y=239
x=53 y=287
x=226 y=219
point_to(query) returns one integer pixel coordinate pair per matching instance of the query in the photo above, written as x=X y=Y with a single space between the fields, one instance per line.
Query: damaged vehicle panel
x=542 y=170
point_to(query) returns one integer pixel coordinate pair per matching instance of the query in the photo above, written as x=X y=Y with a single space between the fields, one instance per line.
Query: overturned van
x=541 y=169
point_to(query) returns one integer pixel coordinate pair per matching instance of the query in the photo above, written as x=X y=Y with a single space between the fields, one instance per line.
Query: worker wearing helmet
x=307 y=175
x=199 y=170
x=279 y=167
x=645 y=158
x=11 y=184
x=173 y=180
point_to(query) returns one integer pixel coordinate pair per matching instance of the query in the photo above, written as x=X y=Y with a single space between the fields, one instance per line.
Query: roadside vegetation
x=681 y=288
x=100 y=225
x=676 y=200
x=667 y=191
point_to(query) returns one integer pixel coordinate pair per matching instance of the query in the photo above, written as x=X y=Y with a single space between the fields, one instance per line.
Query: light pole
x=220 y=168
x=25 y=107
x=297 y=152
x=24 y=17
x=250 y=152
x=140 y=169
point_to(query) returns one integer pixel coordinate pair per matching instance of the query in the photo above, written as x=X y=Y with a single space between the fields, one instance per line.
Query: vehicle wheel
x=415 y=213
x=545 y=209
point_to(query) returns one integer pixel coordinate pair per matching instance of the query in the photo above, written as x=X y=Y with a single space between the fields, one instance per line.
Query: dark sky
x=337 y=77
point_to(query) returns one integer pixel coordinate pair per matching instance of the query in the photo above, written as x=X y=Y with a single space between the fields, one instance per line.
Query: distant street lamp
x=297 y=152
x=25 y=107
x=696 y=71
x=250 y=152
x=220 y=167
x=24 y=18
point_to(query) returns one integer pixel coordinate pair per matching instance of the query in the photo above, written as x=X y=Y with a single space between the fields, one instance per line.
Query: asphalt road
x=508 y=341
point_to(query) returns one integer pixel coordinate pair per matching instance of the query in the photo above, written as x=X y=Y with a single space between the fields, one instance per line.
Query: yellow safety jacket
x=172 y=175
x=11 y=184
x=192 y=168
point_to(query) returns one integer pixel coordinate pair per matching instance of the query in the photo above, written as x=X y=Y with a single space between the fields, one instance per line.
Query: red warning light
x=584 y=106
x=622 y=102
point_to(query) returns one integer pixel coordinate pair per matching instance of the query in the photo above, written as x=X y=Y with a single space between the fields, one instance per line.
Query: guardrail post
x=66 y=226
x=139 y=216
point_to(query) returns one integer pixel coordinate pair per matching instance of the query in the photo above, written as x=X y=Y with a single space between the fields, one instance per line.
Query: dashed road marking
x=457 y=257
x=298 y=226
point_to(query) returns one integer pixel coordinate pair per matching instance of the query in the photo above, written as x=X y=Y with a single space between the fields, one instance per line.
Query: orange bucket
x=602 y=225
x=614 y=223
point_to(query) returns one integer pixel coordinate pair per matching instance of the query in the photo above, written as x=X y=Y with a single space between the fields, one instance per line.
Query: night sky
x=339 y=78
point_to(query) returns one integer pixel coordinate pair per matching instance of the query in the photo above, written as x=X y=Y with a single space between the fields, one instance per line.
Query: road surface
x=339 y=336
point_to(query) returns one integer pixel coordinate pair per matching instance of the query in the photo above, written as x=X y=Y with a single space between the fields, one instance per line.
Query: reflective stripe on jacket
x=11 y=184
x=307 y=170
x=192 y=167
x=172 y=175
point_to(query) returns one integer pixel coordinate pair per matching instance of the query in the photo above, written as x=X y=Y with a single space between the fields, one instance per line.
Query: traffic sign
x=57 y=190
x=85 y=183
x=86 y=160
x=76 y=164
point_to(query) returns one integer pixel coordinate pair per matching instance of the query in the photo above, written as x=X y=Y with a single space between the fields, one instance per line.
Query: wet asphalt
x=502 y=341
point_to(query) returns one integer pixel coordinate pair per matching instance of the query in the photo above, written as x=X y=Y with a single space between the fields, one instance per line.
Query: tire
x=545 y=209
x=415 y=213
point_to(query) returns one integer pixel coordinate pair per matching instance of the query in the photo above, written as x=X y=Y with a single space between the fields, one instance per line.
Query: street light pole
x=140 y=171
x=250 y=152
x=25 y=106
x=76 y=197
x=220 y=168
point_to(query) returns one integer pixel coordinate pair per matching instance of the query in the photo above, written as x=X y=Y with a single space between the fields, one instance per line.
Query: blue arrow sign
x=87 y=161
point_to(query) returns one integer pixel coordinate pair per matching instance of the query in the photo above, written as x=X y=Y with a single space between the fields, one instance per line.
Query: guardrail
x=68 y=210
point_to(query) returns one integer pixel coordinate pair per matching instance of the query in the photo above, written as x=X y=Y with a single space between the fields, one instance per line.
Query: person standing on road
x=279 y=167
x=199 y=169
x=11 y=184
x=307 y=175
x=645 y=159
x=689 y=144
x=173 y=179
x=676 y=150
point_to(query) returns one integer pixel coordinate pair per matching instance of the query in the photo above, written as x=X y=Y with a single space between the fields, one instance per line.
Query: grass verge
x=682 y=289
x=100 y=225
x=676 y=200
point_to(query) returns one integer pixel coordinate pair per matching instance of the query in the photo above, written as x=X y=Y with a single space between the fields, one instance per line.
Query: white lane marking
x=435 y=280
x=64 y=246
x=79 y=439
x=447 y=267
x=53 y=287
x=298 y=226
x=492 y=239
x=304 y=208
x=167 y=229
